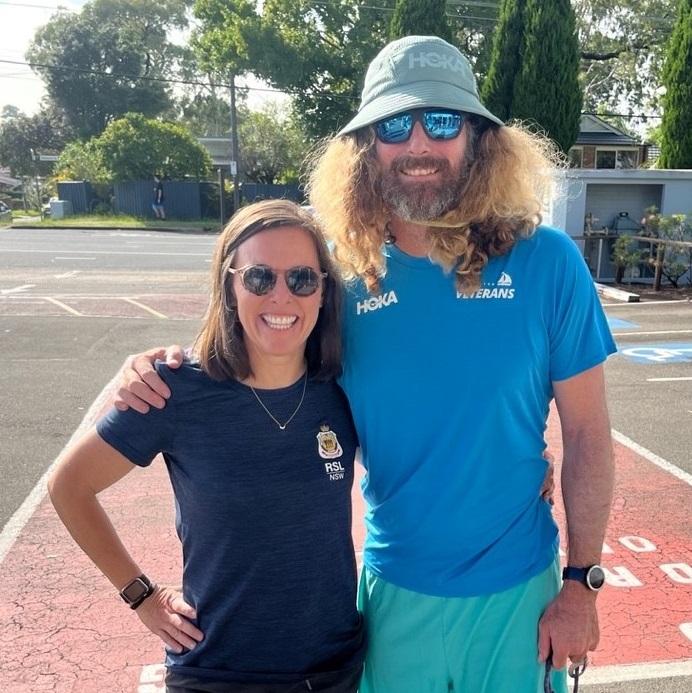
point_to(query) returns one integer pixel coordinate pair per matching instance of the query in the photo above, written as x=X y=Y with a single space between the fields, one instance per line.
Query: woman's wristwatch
x=137 y=590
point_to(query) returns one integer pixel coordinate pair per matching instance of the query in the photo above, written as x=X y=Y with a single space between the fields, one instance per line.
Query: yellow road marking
x=143 y=307
x=62 y=305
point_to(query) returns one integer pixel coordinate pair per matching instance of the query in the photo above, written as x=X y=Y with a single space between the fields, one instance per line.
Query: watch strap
x=583 y=575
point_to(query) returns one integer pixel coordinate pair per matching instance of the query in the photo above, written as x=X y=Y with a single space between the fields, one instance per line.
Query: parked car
x=5 y=215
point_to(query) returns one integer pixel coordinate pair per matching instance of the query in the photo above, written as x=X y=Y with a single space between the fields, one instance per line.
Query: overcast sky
x=19 y=20
x=19 y=86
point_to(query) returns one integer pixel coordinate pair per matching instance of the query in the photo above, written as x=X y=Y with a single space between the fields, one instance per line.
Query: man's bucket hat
x=417 y=72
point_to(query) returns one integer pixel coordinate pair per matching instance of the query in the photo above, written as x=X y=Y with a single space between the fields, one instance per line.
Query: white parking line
x=650 y=334
x=652 y=457
x=635 y=672
x=23 y=514
x=665 y=380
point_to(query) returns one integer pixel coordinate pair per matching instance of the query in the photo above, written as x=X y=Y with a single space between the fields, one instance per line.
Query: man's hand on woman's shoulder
x=138 y=385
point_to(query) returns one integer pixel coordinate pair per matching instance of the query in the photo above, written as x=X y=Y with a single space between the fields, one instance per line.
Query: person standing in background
x=157 y=204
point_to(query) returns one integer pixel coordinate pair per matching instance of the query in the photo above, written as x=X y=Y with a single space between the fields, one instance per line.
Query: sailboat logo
x=504 y=280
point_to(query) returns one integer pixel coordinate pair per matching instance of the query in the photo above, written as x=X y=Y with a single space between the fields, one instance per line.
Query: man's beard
x=421 y=202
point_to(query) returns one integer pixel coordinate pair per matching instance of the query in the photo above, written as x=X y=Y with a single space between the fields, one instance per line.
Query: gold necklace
x=290 y=418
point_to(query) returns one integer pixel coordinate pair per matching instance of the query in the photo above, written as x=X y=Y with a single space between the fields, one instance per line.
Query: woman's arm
x=88 y=467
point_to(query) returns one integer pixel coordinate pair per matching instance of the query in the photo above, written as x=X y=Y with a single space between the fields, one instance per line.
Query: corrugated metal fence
x=182 y=199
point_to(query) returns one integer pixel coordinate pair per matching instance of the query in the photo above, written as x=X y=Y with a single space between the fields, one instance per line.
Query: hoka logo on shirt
x=503 y=289
x=376 y=302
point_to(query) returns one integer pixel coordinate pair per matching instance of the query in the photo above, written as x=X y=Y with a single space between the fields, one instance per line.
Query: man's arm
x=138 y=385
x=569 y=626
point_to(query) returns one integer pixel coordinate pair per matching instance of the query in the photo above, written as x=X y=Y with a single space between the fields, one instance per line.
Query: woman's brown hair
x=220 y=345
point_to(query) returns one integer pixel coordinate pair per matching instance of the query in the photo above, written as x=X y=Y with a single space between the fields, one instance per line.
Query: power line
x=630 y=116
x=168 y=80
x=55 y=8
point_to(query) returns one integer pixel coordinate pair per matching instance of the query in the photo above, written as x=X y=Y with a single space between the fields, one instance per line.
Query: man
x=157 y=204
x=463 y=320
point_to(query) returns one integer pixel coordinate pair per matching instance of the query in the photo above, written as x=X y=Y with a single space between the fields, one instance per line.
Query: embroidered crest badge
x=327 y=443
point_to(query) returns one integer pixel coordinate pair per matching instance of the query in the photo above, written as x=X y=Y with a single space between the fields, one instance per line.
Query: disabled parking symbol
x=658 y=353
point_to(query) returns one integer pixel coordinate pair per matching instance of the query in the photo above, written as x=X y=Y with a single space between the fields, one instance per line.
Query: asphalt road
x=73 y=304
x=57 y=361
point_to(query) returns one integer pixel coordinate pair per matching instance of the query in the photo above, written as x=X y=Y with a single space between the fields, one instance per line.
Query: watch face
x=136 y=589
x=595 y=578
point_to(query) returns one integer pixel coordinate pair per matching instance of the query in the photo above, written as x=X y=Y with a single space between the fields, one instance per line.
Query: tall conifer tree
x=421 y=18
x=497 y=92
x=676 y=126
x=547 y=89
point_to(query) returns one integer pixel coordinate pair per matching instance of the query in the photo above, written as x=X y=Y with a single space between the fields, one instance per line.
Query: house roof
x=219 y=149
x=7 y=181
x=594 y=130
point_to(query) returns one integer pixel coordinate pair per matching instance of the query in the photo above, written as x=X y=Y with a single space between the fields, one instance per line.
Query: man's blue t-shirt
x=264 y=517
x=450 y=395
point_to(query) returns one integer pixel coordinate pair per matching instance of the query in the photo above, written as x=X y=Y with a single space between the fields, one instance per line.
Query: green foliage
x=103 y=62
x=19 y=134
x=205 y=114
x=135 y=148
x=677 y=258
x=272 y=146
x=546 y=88
x=623 y=46
x=676 y=126
x=318 y=52
x=626 y=255
x=420 y=18
x=497 y=92
x=82 y=161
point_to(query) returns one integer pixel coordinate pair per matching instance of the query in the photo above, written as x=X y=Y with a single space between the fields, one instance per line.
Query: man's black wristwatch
x=137 y=590
x=592 y=576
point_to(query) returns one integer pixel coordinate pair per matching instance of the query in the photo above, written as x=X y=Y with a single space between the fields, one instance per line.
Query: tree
x=273 y=146
x=497 y=92
x=135 y=147
x=546 y=88
x=420 y=17
x=622 y=48
x=19 y=134
x=104 y=62
x=676 y=126
x=318 y=52
x=82 y=161
x=9 y=111
x=675 y=257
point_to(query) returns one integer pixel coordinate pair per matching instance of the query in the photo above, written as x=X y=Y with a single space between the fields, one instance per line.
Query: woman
x=259 y=445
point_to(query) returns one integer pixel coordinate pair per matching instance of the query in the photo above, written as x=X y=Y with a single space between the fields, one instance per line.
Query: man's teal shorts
x=423 y=644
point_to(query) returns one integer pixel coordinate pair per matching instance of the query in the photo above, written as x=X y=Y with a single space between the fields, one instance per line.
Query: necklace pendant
x=282 y=427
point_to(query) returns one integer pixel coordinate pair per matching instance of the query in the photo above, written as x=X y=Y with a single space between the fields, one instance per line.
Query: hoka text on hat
x=448 y=62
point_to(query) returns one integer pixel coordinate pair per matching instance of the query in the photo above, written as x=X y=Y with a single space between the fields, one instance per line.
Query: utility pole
x=234 y=148
x=39 y=202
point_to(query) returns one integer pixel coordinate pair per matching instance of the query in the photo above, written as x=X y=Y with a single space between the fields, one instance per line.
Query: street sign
x=234 y=168
x=48 y=157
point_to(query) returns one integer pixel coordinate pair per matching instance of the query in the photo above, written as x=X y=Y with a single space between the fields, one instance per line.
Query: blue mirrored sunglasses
x=438 y=123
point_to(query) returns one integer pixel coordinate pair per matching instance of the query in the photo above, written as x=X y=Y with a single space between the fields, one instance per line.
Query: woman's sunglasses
x=438 y=123
x=261 y=279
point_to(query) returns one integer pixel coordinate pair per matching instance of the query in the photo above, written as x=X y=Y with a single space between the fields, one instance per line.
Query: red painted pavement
x=64 y=629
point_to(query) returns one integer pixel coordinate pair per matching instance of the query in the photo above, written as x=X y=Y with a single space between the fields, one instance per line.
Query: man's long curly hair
x=509 y=176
